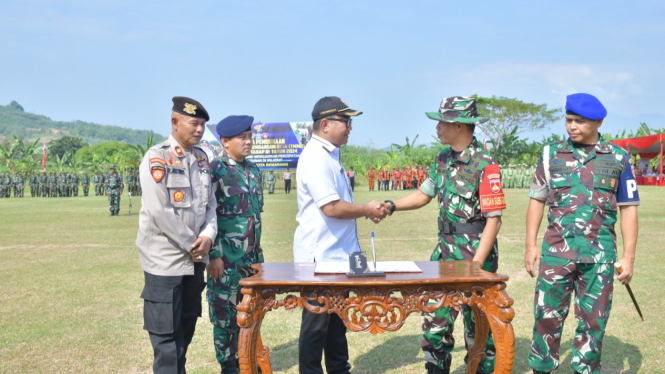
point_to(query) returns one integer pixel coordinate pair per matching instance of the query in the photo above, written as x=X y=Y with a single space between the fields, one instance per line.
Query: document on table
x=342 y=267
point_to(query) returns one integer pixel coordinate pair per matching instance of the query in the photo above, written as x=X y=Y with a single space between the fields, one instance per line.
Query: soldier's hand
x=532 y=260
x=377 y=211
x=626 y=271
x=215 y=268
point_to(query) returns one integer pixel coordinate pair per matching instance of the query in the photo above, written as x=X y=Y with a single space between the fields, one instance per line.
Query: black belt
x=447 y=228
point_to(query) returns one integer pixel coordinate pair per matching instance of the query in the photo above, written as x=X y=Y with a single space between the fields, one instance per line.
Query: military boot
x=541 y=372
x=433 y=369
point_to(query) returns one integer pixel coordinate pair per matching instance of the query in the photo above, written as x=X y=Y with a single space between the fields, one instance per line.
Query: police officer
x=114 y=187
x=238 y=188
x=468 y=226
x=177 y=225
x=583 y=179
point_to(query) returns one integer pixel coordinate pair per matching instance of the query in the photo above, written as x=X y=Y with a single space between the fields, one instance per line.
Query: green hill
x=15 y=121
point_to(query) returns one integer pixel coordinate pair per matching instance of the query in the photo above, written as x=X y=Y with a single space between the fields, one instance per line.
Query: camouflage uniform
x=456 y=181
x=239 y=194
x=20 y=185
x=271 y=180
x=43 y=185
x=52 y=185
x=85 y=183
x=584 y=188
x=74 y=184
x=114 y=187
x=96 y=181
x=33 y=184
x=2 y=185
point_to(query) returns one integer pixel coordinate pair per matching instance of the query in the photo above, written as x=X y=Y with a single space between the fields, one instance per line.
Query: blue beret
x=585 y=105
x=234 y=125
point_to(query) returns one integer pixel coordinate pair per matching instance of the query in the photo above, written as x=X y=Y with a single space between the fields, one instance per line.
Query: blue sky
x=120 y=62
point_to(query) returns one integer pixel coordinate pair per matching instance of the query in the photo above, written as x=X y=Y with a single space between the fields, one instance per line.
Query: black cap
x=189 y=107
x=331 y=105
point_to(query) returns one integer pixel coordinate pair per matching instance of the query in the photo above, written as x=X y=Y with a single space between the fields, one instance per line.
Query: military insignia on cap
x=157 y=173
x=179 y=151
x=178 y=196
x=189 y=108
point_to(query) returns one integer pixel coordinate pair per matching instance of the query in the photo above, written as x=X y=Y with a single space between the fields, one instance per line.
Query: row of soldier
x=517 y=176
x=61 y=184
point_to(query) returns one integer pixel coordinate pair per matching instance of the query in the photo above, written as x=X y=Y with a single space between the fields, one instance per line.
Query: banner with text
x=276 y=145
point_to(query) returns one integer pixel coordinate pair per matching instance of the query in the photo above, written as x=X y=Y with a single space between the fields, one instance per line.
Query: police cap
x=189 y=107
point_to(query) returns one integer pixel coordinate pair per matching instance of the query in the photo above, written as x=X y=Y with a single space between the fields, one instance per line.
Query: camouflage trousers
x=223 y=296
x=86 y=189
x=593 y=285
x=114 y=201
x=271 y=188
x=438 y=341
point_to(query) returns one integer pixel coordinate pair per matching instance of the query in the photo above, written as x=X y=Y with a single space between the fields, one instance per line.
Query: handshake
x=378 y=210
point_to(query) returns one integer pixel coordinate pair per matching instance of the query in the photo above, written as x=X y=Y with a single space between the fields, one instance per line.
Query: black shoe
x=433 y=369
x=541 y=372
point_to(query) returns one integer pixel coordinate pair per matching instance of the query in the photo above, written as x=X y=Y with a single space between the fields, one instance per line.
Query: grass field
x=70 y=284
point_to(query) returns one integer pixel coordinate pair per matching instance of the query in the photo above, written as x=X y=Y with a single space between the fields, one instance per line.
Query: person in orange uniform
x=408 y=175
x=421 y=175
x=397 y=179
x=371 y=177
x=381 y=177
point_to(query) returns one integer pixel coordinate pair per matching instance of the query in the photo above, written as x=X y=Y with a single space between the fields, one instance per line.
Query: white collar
x=328 y=146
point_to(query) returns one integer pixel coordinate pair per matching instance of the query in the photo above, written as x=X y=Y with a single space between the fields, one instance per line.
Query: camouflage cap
x=111 y=167
x=455 y=109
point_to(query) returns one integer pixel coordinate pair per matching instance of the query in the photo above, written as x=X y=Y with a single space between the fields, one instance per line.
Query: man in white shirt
x=327 y=227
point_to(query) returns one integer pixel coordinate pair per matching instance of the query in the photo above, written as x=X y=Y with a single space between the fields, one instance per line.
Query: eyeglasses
x=346 y=121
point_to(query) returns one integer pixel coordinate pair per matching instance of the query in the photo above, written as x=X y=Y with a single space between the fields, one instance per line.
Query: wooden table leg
x=250 y=317
x=476 y=352
x=496 y=304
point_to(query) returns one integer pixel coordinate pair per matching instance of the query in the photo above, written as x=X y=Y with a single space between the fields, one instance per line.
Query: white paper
x=342 y=267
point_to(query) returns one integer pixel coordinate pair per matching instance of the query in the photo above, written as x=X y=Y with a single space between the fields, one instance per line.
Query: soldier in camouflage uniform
x=114 y=187
x=2 y=185
x=583 y=180
x=508 y=176
x=467 y=182
x=96 y=181
x=130 y=181
x=52 y=185
x=74 y=185
x=43 y=184
x=85 y=183
x=32 y=179
x=237 y=185
x=20 y=185
x=271 y=180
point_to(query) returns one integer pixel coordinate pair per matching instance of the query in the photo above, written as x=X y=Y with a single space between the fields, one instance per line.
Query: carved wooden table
x=377 y=305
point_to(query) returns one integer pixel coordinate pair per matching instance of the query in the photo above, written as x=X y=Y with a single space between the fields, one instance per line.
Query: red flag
x=485 y=141
x=44 y=156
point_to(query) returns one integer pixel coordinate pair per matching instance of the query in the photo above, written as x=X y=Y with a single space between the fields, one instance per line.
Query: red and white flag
x=44 y=156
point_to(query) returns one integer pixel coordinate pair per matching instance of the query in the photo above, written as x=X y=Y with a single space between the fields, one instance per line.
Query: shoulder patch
x=157 y=173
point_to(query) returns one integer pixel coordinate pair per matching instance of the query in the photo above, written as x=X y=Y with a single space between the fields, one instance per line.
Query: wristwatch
x=392 y=206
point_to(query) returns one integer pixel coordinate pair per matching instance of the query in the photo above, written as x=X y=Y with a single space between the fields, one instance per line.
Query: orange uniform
x=371 y=177
x=397 y=179
x=408 y=175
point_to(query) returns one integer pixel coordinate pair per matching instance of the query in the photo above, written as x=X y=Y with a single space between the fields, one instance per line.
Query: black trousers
x=319 y=333
x=353 y=183
x=287 y=185
x=171 y=305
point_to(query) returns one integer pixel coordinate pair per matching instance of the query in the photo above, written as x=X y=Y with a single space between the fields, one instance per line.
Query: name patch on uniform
x=561 y=169
x=157 y=173
x=176 y=171
x=157 y=160
x=440 y=171
x=178 y=196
